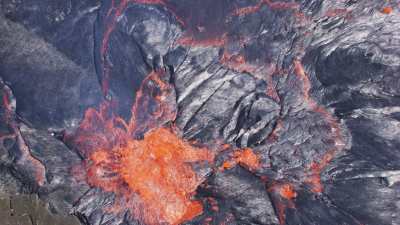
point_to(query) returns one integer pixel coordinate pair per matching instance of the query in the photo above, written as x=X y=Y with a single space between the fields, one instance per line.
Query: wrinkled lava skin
x=204 y=112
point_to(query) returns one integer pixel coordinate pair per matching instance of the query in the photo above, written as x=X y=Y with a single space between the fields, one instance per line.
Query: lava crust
x=228 y=112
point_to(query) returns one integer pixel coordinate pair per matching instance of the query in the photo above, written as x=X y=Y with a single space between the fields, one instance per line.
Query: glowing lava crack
x=157 y=174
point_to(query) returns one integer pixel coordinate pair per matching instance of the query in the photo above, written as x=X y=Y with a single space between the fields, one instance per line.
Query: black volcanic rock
x=298 y=101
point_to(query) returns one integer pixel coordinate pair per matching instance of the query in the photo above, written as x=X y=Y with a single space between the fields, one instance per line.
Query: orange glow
x=287 y=192
x=247 y=10
x=247 y=158
x=151 y=107
x=158 y=170
x=152 y=176
x=387 y=10
x=237 y=63
x=189 y=40
x=228 y=165
x=273 y=5
x=226 y=146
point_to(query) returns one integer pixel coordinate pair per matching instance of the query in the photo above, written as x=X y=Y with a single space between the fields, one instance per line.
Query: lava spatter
x=284 y=195
x=244 y=157
x=157 y=170
x=140 y=159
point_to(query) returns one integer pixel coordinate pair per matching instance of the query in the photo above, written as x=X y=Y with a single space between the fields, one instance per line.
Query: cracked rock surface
x=167 y=112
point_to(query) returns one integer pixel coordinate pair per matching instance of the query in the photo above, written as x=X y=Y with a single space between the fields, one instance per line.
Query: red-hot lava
x=387 y=10
x=151 y=176
x=244 y=157
x=157 y=166
x=157 y=173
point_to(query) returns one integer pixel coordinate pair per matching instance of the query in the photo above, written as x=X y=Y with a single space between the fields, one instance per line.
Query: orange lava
x=387 y=10
x=227 y=165
x=189 y=40
x=287 y=192
x=151 y=107
x=158 y=170
x=147 y=166
x=247 y=158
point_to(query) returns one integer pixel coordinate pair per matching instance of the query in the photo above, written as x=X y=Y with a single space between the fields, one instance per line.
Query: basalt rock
x=203 y=112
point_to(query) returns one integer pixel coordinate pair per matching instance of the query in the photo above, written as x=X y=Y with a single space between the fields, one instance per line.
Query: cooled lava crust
x=228 y=112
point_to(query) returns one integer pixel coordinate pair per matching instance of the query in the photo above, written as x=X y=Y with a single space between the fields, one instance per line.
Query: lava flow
x=157 y=174
x=244 y=157
x=155 y=171
x=273 y=5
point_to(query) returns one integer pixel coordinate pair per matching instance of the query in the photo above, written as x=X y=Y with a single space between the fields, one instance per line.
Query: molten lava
x=244 y=157
x=158 y=170
x=151 y=176
x=387 y=10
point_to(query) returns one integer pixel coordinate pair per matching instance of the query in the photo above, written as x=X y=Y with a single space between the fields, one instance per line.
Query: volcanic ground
x=225 y=112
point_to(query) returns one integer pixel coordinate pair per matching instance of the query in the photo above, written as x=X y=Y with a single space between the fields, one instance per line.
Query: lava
x=189 y=40
x=316 y=167
x=247 y=158
x=244 y=157
x=141 y=159
x=144 y=161
x=157 y=169
x=25 y=157
x=237 y=63
x=277 y=5
x=284 y=193
x=154 y=103
x=287 y=192
x=387 y=10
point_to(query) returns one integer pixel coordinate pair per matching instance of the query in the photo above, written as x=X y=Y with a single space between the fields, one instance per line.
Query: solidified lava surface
x=227 y=112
